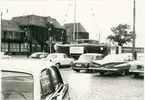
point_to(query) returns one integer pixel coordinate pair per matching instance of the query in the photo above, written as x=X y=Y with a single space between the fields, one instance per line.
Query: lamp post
x=74 y=20
x=50 y=38
x=133 y=35
x=1 y=34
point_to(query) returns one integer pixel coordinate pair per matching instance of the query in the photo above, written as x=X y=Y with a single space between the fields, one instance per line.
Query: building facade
x=80 y=32
x=31 y=33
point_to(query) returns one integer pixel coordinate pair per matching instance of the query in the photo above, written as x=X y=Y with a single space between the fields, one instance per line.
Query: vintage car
x=114 y=63
x=3 y=55
x=59 y=59
x=137 y=66
x=31 y=80
x=39 y=55
x=84 y=60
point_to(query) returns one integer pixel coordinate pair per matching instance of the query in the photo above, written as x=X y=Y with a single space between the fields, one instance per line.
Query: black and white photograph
x=72 y=49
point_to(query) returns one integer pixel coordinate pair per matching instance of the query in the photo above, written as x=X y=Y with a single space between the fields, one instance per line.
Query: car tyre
x=123 y=72
x=58 y=65
x=77 y=70
x=102 y=73
x=136 y=74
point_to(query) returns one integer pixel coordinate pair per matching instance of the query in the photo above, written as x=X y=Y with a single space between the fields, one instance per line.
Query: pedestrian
x=135 y=55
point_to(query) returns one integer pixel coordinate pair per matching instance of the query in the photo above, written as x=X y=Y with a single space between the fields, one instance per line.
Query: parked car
x=84 y=60
x=3 y=55
x=115 y=63
x=32 y=80
x=59 y=59
x=137 y=66
x=39 y=55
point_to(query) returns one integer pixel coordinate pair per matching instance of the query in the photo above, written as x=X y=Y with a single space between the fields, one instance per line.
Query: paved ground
x=87 y=86
x=92 y=86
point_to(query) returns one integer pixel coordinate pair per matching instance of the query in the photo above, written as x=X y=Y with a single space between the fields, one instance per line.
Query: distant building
x=80 y=32
x=31 y=30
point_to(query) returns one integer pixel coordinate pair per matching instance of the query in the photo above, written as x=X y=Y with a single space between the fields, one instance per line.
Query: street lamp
x=50 y=38
x=133 y=35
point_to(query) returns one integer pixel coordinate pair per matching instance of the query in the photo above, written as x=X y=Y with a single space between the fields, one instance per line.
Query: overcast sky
x=95 y=15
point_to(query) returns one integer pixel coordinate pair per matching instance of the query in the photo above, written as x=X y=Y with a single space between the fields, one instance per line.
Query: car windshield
x=115 y=57
x=17 y=86
x=141 y=58
x=86 y=57
x=52 y=56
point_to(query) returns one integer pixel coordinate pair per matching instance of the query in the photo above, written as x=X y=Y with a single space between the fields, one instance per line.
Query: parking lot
x=92 y=86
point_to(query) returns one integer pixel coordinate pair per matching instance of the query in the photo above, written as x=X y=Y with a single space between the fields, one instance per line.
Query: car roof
x=95 y=54
x=27 y=65
x=58 y=53
x=40 y=53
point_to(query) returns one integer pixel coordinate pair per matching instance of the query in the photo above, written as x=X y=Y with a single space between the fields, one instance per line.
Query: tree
x=122 y=35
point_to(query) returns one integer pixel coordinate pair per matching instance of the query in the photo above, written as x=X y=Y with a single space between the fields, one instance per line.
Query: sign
x=113 y=49
x=76 y=50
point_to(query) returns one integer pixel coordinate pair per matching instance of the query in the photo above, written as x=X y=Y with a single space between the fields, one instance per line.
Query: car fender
x=123 y=66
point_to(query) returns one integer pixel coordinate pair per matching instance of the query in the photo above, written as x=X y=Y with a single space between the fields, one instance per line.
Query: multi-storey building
x=30 y=33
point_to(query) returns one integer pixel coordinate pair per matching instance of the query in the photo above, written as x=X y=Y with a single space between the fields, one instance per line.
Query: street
x=92 y=86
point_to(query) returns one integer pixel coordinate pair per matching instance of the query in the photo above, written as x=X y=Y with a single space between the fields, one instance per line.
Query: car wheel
x=136 y=74
x=102 y=73
x=58 y=65
x=123 y=72
x=77 y=70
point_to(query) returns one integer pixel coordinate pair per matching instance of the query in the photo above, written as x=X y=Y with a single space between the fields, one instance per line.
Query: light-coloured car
x=84 y=60
x=137 y=66
x=114 y=63
x=31 y=80
x=39 y=55
x=3 y=55
x=59 y=59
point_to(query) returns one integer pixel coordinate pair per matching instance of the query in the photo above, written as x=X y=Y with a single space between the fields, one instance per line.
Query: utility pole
x=133 y=35
x=74 y=20
x=1 y=35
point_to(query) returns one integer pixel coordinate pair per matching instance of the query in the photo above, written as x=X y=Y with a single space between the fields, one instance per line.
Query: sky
x=96 y=16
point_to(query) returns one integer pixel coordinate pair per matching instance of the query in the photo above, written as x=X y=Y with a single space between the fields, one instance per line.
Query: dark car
x=32 y=80
x=114 y=63
x=39 y=55
x=84 y=60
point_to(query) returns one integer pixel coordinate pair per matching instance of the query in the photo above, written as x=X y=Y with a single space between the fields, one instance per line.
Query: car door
x=66 y=60
x=52 y=86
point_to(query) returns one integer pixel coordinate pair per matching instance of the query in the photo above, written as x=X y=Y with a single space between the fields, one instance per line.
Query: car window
x=86 y=57
x=46 y=89
x=65 y=56
x=98 y=57
x=52 y=56
x=17 y=86
x=140 y=58
x=55 y=77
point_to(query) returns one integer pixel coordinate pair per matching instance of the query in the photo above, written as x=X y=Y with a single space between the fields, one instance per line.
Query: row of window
x=14 y=47
x=11 y=35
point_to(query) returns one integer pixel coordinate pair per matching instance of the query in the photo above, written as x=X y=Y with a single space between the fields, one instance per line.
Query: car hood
x=136 y=62
x=105 y=62
x=81 y=61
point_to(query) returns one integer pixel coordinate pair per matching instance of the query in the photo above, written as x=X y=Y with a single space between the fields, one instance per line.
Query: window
x=45 y=84
x=17 y=86
x=65 y=56
x=52 y=56
x=98 y=58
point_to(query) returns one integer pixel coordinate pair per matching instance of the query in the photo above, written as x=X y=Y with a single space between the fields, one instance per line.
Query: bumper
x=105 y=69
x=73 y=68
x=137 y=71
